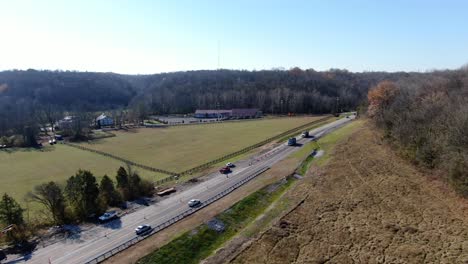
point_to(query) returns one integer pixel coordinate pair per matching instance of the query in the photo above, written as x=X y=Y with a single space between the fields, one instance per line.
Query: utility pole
x=337 y=107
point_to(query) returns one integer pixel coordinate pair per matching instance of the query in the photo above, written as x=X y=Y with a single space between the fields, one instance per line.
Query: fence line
x=120 y=159
x=173 y=220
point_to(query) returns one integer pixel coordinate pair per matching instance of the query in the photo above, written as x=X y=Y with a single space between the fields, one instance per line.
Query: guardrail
x=173 y=220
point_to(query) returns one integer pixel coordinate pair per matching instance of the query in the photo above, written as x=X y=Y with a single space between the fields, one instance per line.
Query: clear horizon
x=145 y=38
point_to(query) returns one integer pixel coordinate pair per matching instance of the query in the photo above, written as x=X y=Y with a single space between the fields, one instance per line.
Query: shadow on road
x=114 y=224
x=142 y=201
x=72 y=232
x=24 y=250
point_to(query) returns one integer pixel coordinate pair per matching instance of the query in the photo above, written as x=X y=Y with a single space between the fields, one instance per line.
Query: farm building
x=104 y=120
x=223 y=114
x=232 y=114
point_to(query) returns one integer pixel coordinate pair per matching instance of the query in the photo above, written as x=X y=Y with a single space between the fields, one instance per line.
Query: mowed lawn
x=22 y=169
x=178 y=148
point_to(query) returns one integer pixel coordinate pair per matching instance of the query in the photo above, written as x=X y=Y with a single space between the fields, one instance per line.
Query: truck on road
x=108 y=216
x=292 y=141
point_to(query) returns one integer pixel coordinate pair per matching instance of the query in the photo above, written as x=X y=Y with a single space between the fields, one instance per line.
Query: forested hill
x=67 y=89
x=273 y=91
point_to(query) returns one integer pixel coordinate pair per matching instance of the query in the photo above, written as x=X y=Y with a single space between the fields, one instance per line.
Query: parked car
x=230 y=165
x=225 y=170
x=292 y=141
x=305 y=134
x=143 y=229
x=108 y=216
x=194 y=203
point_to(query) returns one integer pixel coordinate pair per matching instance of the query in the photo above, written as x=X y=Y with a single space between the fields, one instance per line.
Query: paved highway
x=98 y=240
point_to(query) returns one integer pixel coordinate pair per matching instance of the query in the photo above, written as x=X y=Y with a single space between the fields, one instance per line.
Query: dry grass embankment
x=367 y=205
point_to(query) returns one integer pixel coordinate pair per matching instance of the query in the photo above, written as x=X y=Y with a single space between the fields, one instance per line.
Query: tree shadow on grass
x=37 y=149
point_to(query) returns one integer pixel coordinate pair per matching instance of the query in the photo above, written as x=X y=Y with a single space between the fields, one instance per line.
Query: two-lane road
x=100 y=239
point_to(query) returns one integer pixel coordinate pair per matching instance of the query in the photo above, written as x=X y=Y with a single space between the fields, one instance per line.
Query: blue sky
x=160 y=36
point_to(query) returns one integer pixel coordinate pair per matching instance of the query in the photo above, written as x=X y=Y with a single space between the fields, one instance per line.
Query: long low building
x=239 y=113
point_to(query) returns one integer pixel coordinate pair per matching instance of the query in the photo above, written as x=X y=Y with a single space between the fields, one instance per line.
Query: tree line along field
x=179 y=148
x=174 y=148
x=22 y=169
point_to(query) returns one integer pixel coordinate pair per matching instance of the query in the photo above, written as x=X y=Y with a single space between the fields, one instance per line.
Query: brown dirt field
x=133 y=254
x=366 y=205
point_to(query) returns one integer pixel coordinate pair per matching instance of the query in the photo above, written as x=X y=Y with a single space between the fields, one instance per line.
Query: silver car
x=143 y=229
x=194 y=203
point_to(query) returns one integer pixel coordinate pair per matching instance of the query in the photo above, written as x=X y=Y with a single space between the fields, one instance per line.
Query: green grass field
x=173 y=148
x=22 y=169
x=179 y=148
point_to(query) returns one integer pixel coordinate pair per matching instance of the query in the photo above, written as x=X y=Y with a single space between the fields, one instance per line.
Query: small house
x=104 y=120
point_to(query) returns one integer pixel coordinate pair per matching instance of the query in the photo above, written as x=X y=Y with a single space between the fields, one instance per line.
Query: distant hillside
x=67 y=89
x=274 y=91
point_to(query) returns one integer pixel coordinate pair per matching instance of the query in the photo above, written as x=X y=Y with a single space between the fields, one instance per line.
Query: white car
x=194 y=202
x=230 y=165
x=143 y=229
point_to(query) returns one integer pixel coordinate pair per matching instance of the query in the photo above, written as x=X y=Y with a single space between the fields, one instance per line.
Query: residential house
x=104 y=120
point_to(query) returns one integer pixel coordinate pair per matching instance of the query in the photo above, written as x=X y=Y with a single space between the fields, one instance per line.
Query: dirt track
x=367 y=206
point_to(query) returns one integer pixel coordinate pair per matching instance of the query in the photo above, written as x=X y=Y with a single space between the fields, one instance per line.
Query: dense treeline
x=427 y=115
x=31 y=100
x=273 y=91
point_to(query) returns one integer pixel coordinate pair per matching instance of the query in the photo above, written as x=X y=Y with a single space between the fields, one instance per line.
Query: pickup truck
x=108 y=216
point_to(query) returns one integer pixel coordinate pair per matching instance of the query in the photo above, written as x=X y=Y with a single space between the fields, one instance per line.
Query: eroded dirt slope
x=367 y=206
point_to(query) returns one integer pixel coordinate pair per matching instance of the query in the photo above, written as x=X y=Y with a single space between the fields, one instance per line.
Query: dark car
x=292 y=142
x=225 y=170
x=143 y=229
x=2 y=255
